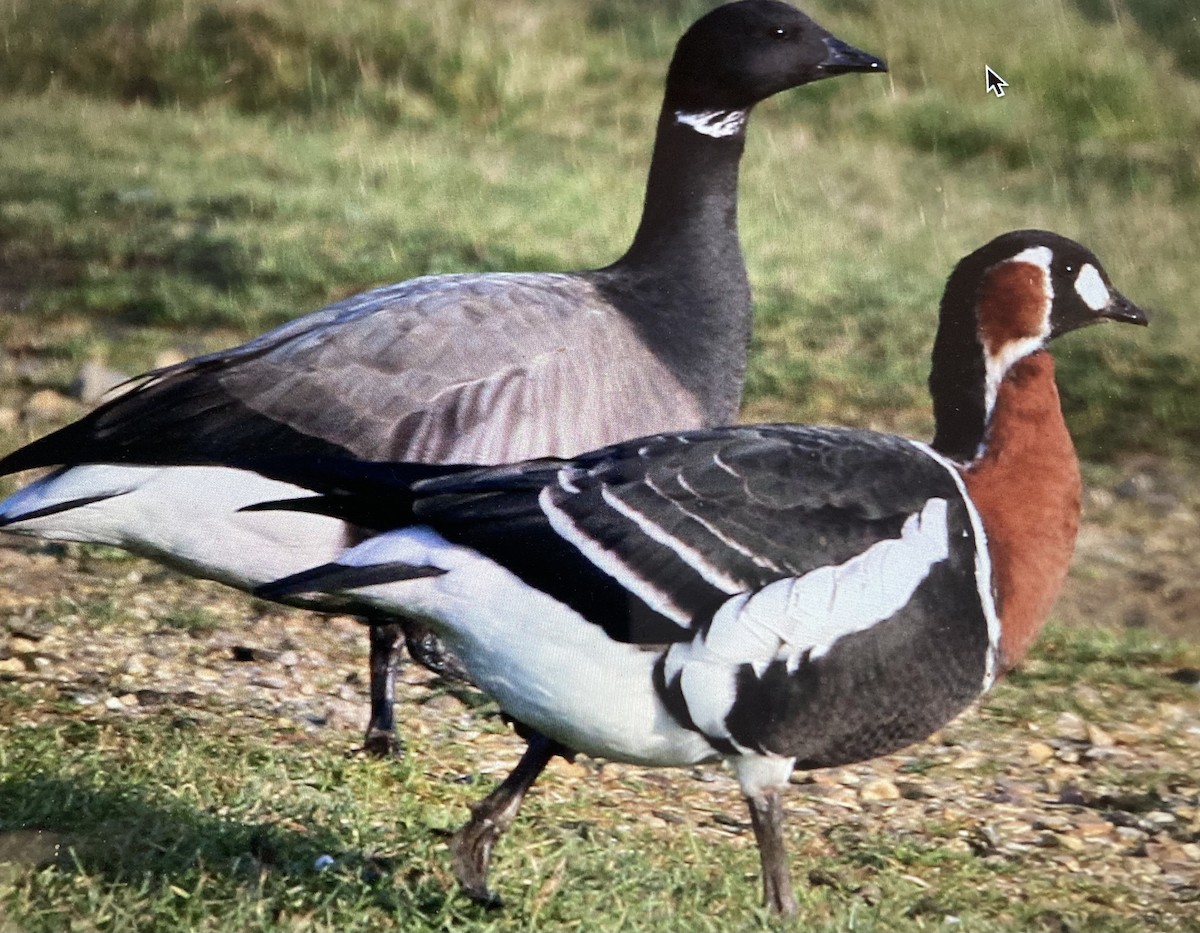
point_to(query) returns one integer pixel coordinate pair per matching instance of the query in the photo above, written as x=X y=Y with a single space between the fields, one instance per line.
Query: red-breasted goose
x=778 y=596
x=482 y=368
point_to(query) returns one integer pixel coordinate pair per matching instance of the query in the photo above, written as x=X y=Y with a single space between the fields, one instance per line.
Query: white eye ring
x=1091 y=288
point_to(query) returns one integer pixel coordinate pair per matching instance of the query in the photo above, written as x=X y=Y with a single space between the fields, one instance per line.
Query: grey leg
x=472 y=845
x=766 y=814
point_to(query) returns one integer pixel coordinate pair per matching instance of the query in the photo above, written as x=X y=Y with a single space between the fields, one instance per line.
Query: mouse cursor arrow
x=995 y=83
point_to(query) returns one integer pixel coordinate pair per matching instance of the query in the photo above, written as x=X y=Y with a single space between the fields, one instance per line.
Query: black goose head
x=742 y=53
x=1004 y=301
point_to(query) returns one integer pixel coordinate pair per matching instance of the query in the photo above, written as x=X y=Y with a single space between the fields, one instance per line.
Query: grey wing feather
x=482 y=368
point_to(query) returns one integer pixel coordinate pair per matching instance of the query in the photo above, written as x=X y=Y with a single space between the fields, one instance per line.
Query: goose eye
x=781 y=32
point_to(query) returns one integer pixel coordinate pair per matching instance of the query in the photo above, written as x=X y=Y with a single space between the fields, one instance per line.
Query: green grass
x=188 y=176
x=204 y=817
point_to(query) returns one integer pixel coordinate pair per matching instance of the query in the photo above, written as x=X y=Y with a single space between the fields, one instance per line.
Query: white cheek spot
x=715 y=123
x=1091 y=288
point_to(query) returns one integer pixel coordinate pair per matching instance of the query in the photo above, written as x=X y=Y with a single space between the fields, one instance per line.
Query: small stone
x=1093 y=829
x=128 y=700
x=12 y=666
x=1071 y=843
x=1131 y=835
x=95 y=380
x=112 y=703
x=1039 y=751
x=9 y=419
x=135 y=666
x=1098 y=737
x=1052 y=821
x=911 y=790
x=877 y=790
x=1161 y=817
x=1072 y=727
x=1166 y=853
x=288 y=658
x=169 y=358
x=1191 y=851
x=48 y=405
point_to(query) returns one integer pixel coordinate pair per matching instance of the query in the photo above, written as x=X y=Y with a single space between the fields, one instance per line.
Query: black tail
x=338 y=578
x=370 y=495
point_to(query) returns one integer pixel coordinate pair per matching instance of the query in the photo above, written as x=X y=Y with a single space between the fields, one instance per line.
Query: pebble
x=169 y=358
x=12 y=666
x=47 y=405
x=878 y=790
x=911 y=790
x=1070 y=726
x=94 y=380
x=1039 y=751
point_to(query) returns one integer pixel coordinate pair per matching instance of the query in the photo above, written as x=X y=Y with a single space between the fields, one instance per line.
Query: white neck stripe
x=1000 y=361
x=715 y=123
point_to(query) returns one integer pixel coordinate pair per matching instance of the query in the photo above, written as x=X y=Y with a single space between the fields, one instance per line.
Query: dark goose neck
x=683 y=280
x=958 y=375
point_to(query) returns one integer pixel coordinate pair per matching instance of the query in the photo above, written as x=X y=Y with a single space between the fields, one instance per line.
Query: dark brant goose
x=455 y=368
x=777 y=596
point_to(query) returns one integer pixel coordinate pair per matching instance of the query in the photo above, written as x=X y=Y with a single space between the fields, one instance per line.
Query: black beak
x=1120 y=308
x=844 y=58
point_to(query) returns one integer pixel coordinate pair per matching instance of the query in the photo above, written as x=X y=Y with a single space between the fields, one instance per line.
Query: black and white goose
x=778 y=596
x=483 y=368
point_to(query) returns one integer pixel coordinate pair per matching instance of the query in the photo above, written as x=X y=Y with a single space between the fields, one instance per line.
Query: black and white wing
x=821 y=594
x=651 y=538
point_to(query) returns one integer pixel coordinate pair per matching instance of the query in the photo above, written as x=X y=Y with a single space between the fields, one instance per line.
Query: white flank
x=1000 y=361
x=715 y=123
x=1091 y=288
x=187 y=517
x=983 y=566
x=757 y=773
x=808 y=615
x=544 y=664
x=685 y=552
x=607 y=561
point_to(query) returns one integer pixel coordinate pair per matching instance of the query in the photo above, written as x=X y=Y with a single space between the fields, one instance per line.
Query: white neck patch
x=1091 y=288
x=999 y=362
x=715 y=123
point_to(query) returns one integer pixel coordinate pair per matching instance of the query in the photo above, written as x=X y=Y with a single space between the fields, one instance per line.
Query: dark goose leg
x=766 y=814
x=471 y=846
